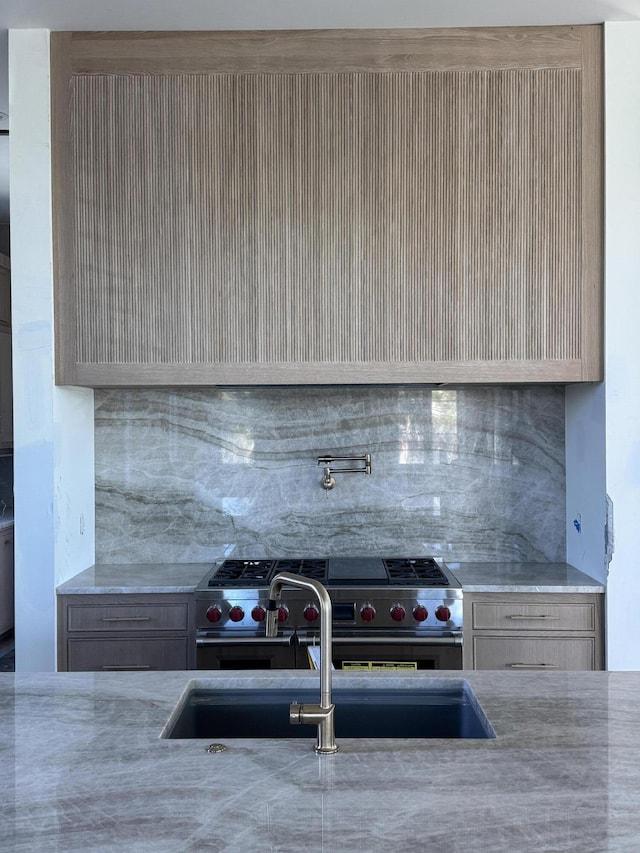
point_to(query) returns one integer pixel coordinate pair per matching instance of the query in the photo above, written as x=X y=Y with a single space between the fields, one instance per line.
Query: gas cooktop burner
x=423 y=570
x=243 y=573
x=342 y=571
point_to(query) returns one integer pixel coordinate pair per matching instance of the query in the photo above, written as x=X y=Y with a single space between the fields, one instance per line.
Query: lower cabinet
x=125 y=632
x=6 y=580
x=533 y=631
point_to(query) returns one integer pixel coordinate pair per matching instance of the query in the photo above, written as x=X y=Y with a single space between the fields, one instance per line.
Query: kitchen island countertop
x=84 y=769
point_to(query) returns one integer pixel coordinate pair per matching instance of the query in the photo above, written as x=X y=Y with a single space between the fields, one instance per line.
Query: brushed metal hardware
x=132 y=666
x=328 y=480
x=229 y=640
x=321 y=714
x=533 y=666
x=543 y=617
x=369 y=640
x=126 y=618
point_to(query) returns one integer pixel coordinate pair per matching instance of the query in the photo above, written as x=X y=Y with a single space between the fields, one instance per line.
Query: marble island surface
x=84 y=769
x=125 y=578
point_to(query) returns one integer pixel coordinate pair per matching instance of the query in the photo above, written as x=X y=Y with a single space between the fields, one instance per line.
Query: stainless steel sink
x=448 y=710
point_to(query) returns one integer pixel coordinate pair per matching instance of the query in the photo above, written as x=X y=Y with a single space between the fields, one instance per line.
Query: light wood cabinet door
x=134 y=654
x=534 y=653
x=127 y=617
x=533 y=631
x=522 y=615
x=126 y=631
x=328 y=206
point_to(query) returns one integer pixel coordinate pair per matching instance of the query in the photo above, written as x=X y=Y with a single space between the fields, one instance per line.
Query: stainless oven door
x=249 y=652
x=443 y=652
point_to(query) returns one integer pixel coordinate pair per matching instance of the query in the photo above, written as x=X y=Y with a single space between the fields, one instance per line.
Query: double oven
x=394 y=612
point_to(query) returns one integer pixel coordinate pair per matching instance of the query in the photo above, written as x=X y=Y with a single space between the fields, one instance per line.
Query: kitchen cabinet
x=533 y=631
x=5 y=291
x=6 y=580
x=6 y=390
x=328 y=206
x=125 y=632
x=6 y=383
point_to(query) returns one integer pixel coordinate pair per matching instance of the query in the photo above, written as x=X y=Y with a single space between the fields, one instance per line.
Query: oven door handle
x=244 y=641
x=359 y=640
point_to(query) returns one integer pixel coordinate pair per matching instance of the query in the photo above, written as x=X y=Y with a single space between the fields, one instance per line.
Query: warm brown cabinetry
x=531 y=631
x=328 y=206
x=125 y=632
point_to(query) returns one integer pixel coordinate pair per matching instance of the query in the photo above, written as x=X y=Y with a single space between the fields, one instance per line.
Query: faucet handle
x=271 y=622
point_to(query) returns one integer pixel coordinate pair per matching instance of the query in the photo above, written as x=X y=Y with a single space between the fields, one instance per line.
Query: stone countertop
x=84 y=769
x=125 y=578
x=523 y=577
x=118 y=578
x=6 y=519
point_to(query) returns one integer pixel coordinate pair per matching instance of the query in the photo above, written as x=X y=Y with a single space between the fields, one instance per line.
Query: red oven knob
x=443 y=614
x=258 y=614
x=214 y=614
x=420 y=613
x=236 y=614
x=311 y=613
x=283 y=613
x=398 y=613
x=368 y=613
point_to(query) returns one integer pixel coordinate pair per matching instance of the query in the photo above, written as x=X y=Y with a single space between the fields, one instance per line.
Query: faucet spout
x=321 y=714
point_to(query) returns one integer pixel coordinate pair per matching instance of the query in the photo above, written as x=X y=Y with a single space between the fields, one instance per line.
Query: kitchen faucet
x=321 y=714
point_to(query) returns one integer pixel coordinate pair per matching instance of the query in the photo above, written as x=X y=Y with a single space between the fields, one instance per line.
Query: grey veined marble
x=464 y=473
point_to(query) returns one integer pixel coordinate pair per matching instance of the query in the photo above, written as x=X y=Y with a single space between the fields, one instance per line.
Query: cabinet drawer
x=127 y=617
x=542 y=616
x=534 y=653
x=87 y=655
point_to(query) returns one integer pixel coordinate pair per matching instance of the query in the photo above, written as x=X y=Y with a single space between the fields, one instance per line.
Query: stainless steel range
x=395 y=611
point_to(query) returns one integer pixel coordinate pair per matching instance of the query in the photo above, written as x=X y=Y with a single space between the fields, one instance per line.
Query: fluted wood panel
x=360 y=206
x=362 y=217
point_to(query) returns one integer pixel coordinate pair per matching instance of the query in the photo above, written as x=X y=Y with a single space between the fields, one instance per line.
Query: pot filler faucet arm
x=321 y=714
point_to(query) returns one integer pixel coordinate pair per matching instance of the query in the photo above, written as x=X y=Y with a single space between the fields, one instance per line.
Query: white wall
x=53 y=427
x=586 y=478
x=622 y=78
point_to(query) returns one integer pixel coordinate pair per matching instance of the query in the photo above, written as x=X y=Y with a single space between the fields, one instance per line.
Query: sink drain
x=216 y=747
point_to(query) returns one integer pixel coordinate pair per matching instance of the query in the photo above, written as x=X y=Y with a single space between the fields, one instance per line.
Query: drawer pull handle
x=533 y=665
x=543 y=617
x=126 y=618
x=116 y=666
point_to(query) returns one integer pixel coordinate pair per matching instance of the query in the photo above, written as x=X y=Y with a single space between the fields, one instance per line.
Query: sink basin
x=450 y=710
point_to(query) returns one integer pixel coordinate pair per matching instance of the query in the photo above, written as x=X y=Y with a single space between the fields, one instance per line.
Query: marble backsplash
x=467 y=473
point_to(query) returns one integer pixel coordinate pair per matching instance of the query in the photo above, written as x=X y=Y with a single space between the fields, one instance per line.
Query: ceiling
x=280 y=14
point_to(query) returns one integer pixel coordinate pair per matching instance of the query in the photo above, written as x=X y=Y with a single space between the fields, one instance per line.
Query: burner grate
x=314 y=569
x=422 y=570
x=242 y=573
